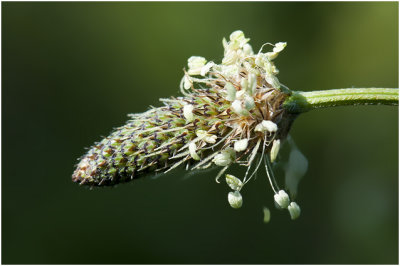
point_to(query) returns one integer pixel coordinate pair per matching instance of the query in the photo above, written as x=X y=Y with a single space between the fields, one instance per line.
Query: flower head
x=231 y=113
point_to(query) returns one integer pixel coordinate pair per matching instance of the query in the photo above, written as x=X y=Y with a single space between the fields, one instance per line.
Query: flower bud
x=235 y=199
x=282 y=198
x=294 y=210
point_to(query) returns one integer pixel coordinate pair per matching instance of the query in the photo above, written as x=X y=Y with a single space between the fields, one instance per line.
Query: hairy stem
x=300 y=102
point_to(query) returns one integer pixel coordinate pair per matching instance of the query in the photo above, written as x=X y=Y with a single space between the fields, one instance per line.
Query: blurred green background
x=73 y=71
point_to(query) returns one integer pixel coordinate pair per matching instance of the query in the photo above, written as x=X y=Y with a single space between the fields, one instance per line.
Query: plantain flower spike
x=229 y=113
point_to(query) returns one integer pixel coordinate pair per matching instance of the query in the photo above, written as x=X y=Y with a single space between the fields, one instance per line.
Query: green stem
x=300 y=102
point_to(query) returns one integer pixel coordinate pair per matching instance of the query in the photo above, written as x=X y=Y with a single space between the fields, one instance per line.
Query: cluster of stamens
x=248 y=83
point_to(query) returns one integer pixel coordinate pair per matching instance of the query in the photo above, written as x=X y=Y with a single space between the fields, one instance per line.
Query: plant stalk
x=300 y=102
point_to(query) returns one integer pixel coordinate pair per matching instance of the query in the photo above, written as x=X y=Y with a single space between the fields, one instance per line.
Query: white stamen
x=269 y=125
x=233 y=182
x=282 y=198
x=240 y=145
x=203 y=135
x=294 y=210
x=224 y=158
x=275 y=149
x=235 y=199
x=205 y=69
x=266 y=125
x=195 y=64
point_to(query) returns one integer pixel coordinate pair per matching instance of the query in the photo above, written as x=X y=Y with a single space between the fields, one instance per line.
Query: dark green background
x=72 y=71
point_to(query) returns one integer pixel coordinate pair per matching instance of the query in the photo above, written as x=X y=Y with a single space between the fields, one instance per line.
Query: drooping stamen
x=259 y=161
x=270 y=175
x=221 y=173
x=252 y=156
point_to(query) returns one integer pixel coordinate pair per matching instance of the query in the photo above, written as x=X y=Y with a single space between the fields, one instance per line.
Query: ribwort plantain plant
x=235 y=112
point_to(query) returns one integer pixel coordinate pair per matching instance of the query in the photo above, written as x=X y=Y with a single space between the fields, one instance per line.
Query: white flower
x=247 y=49
x=266 y=125
x=237 y=35
x=276 y=144
x=233 y=182
x=294 y=210
x=240 y=145
x=224 y=158
x=251 y=69
x=235 y=199
x=237 y=40
x=188 y=112
x=195 y=64
x=209 y=138
x=205 y=69
x=282 y=198
x=192 y=151
x=230 y=57
x=231 y=71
